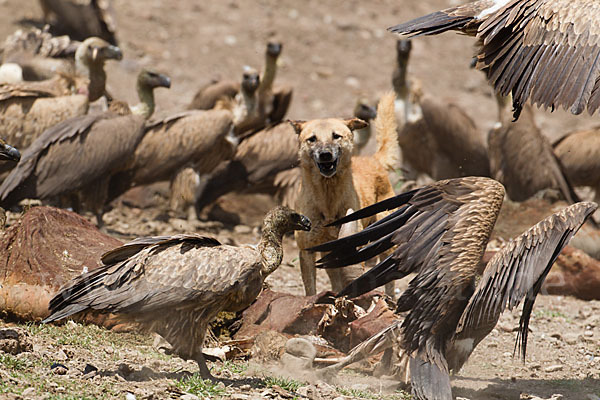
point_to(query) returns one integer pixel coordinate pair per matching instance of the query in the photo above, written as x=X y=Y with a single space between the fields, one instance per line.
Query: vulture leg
x=309 y=272
x=204 y=371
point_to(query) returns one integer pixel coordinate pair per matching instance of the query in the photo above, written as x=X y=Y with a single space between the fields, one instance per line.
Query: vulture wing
x=545 y=51
x=166 y=272
x=518 y=271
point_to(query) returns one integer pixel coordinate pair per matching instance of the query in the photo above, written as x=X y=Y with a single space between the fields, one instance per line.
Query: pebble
x=189 y=396
x=129 y=396
x=239 y=396
x=61 y=356
x=29 y=392
x=230 y=40
x=553 y=368
x=245 y=387
x=588 y=333
x=352 y=82
x=242 y=229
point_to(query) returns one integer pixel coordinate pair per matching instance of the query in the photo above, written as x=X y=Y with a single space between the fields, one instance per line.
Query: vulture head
x=8 y=152
x=364 y=111
x=403 y=48
x=282 y=219
x=96 y=51
x=250 y=80
x=151 y=79
x=274 y=49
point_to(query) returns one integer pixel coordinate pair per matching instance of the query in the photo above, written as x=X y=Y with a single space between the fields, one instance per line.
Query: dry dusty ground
x=334 y=52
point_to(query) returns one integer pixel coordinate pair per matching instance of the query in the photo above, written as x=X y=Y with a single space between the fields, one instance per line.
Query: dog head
x=326 y=144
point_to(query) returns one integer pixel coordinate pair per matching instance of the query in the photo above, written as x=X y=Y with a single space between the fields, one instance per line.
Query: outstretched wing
x=544 y=51
x=424 y=223
x=518 y=271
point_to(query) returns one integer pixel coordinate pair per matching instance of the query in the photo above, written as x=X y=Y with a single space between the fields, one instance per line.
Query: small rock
x=245 y=387
x=571 y=338
x=230 y=40
x=242 y=229
x=239 y=396
x=189 y=396
x=61 y=356
x=507 y=354
x=29 y=392
x=59 y=369
x=352 y=82
x=299 y=355
x=588 y=333
x=462 y=398
x=553 y=368
x=556 y=335
x=89 y=369
x=129 y=396
x=14 y=341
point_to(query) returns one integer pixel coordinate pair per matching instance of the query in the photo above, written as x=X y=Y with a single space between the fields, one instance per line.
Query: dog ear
x=355 y=123
x=298 y=125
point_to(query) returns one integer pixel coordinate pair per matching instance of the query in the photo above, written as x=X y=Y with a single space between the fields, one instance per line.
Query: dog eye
x=312 y=139
x=336 y=136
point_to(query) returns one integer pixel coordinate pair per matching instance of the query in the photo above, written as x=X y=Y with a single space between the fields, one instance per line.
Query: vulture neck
x=270 y=247
x=146 y=105
x=399 y=79
x=268 y=76
x=93 y=71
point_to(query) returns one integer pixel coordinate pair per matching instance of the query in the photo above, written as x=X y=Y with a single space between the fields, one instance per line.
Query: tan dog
x=333 y=181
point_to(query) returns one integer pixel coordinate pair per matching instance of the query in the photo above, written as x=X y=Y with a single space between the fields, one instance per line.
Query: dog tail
x=388 y=149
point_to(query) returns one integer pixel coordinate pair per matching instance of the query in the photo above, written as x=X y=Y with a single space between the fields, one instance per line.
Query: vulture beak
x=304 y=224
x=9 y=153
x=114 y=53
x=95 y=54
x=164 y=81
x=371 y=112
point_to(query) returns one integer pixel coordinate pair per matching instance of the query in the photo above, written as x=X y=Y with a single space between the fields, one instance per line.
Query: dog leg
x=309 y=272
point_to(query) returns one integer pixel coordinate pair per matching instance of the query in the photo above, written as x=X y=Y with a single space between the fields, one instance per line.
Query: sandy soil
x=334 y=52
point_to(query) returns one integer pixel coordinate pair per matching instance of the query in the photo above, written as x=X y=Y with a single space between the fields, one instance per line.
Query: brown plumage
x=579 y=154
x=521 y=158
x=27 y=109
x=263 y=163
x=194 y=138
x=79 y=155
x=81 y=19
x=273 y=101
x=436 y=138
x=441 y=232
x=40 y=54
x=175 y=285
x=545 y=51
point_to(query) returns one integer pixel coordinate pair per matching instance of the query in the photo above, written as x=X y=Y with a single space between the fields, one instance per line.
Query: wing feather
x=517 y=272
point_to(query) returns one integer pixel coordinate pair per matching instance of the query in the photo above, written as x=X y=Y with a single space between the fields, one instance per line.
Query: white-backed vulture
x=273 y=102
x=522 y=159
x=81 y=19
x=263 y=163
x=436 y=138
x=40 y=55
x=545 y=51
x=367 y=113
x=440 y=232
x=78 y=156
x=175 y=285
x=245 y=107
x=29 y=108
x=579 y=155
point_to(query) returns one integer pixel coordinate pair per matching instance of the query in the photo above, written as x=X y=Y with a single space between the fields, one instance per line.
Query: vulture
x=263 y=163
x=273 y=102
x=521 y=157
x=197 y=139
x=436 y=138
x=39 y=54
x=367 y=113
x=579 y=155
x=29 y=108
x=245 y=107
x=544 y=51
x=440 y=232
x=81 y=19
x=175 y=285
x=78 y=155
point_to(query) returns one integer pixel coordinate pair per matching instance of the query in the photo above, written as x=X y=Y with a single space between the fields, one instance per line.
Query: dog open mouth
x=328 y=168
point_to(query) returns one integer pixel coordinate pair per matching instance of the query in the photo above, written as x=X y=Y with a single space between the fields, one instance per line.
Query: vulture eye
x=312 y=139
x=336 y=136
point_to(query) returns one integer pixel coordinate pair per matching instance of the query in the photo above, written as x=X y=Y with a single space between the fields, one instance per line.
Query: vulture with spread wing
x=440 y=232
x=545 y=51
x=78 y=156
x=175 y=285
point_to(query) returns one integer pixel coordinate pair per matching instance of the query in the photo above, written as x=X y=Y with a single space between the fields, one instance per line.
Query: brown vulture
x=545 y=51
x=81 y=19
x=78 y=156
x=175 y=285
x=29 y=108
x=440 y=232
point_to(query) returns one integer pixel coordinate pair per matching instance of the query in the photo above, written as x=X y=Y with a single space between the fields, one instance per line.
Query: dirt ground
x=335 y=51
